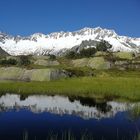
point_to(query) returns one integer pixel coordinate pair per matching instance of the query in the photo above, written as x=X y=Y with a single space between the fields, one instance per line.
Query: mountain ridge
x=58 y=42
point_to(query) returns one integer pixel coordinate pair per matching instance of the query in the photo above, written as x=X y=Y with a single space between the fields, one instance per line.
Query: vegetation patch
x=105 y=88
x=89 y=49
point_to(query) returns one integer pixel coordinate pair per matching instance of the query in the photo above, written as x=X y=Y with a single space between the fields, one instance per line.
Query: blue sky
x=25 y=17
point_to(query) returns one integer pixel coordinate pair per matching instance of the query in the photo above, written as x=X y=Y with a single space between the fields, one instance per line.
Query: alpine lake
x=41 y=117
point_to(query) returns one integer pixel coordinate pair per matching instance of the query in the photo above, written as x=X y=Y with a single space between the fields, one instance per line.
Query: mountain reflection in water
x=40 y=115
x=85 y=108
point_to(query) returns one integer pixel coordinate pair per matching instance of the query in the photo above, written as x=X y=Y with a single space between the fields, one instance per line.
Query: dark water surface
x=41 y=117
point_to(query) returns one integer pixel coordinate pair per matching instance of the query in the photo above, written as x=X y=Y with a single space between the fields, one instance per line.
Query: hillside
x=44 y=68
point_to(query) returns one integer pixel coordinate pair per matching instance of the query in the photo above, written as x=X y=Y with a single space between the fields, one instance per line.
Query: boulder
x=95 y=63
x=99 y=63
x=20 y=74
x=80 y=62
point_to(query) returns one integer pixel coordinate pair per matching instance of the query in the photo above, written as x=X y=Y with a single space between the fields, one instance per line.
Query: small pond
x=40 y=117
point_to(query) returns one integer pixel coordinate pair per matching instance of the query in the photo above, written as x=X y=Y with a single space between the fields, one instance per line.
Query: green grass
x=117 y=73
x=107 y=88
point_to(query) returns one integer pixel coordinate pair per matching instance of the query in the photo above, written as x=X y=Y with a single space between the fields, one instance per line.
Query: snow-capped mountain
x=59 y=42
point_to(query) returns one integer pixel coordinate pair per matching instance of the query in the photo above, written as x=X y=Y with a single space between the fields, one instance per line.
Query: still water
x=41 y=117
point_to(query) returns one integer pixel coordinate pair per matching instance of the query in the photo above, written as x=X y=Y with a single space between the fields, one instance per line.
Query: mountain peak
x=57 y=42
x=38 y=35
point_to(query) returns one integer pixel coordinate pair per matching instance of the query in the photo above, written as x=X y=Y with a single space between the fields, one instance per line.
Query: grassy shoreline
x=93 y=87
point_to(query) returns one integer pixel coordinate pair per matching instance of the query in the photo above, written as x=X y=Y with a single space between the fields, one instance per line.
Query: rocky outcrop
x=95 y=63
x=101 y=63
x=15 y=73
x=3 y=53
x=46 y=63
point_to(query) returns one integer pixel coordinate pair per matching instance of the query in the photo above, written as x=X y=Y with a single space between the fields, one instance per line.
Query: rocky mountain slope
x=59 y=42
x=2 y=52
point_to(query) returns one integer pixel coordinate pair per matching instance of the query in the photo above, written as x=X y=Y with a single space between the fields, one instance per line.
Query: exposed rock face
x=15 y=73
x=2 y=52
x=95 y=63
x=124 y=62
x=80 y=62
x=99 y=63
x=11 y=73
x=124 y=55
x=46 y=63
